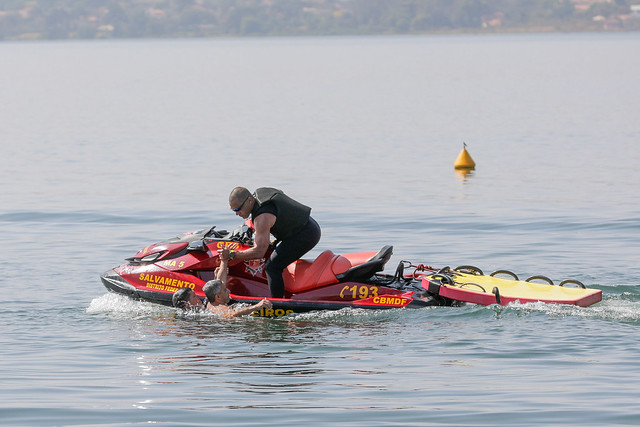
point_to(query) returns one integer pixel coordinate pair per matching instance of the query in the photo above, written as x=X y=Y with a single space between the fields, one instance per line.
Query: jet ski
x=329 y=282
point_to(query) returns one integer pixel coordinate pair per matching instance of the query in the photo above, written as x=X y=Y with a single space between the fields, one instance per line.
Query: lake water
x=108 y=146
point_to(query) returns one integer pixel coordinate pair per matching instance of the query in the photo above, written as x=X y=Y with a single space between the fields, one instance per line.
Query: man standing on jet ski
x=289 y=221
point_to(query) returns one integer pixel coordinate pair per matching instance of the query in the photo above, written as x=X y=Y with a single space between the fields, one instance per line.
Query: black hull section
x=283 y=307
x=114 y=283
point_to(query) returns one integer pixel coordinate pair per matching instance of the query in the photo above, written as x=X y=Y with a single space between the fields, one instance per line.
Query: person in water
x=217 y=297
x=218 y=300
x=289 y=221
x=186 y=299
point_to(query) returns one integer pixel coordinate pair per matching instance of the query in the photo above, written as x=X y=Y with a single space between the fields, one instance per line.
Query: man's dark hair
x=180 y=297
x=239 y=194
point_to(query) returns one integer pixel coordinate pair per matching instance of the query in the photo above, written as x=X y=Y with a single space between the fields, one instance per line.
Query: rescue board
x=486 y=290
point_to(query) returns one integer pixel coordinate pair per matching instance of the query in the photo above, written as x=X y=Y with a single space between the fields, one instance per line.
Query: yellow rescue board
x=486 y=290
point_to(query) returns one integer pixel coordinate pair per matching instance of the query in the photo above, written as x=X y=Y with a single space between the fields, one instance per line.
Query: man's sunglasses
x=240 y=207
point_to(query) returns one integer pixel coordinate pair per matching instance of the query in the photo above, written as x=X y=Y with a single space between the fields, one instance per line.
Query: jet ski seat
x=370 y=267
x=305 y=274
x=330 y=268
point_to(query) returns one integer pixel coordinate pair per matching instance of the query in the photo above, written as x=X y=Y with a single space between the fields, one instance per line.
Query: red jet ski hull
x=330 y=282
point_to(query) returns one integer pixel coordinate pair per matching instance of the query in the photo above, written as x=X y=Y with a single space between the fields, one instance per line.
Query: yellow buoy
x=464 y=160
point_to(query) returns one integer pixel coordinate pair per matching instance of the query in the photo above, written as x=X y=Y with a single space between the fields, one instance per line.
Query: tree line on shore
x=88 y=19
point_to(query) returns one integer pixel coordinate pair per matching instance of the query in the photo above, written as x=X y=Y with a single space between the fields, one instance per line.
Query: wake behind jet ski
x=329 y=282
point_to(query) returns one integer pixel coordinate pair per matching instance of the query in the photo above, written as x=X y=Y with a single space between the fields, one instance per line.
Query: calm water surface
x=109 y=146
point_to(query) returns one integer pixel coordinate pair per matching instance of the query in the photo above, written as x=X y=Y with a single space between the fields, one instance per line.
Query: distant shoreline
x=461 y=31
x=164 y=19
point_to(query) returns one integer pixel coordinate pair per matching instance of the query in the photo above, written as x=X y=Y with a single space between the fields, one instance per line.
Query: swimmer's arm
x=265 y=303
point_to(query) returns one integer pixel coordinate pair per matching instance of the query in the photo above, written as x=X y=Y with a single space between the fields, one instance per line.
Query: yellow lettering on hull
x=173 y=263
x=162 y=283
x=359 y=292
x=395 y=301
x=270 y=312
